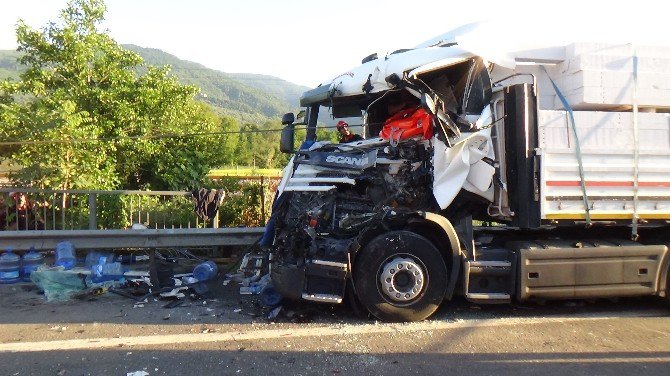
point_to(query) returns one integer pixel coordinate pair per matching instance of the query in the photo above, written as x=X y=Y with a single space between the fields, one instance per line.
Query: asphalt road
x=230 y=334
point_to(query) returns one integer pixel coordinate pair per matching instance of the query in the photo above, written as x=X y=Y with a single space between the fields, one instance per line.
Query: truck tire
x=400 y=276
x=352 y=301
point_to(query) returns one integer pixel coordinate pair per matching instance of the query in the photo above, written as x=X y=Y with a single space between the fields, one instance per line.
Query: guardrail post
x=262 y=201
x=92 y=212
x=215 y=220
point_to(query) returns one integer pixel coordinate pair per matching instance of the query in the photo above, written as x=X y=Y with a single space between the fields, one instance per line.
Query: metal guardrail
x=117 y=239
x=93 y=219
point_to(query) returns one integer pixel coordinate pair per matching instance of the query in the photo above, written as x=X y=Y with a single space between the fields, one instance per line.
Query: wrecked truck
x=518 y=194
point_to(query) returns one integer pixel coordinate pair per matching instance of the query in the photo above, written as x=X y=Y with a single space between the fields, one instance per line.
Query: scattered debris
x=138 y=373
x=171 y=278
x=200 y=288
x=250 y=270
x=59 y=284
x=176 y=293
x=270 y=297
x=189 y=280
x=174 y=304
x=205 y=271
x=274 y=313
x=248 y=290
x=254 y=287
x=132 y=295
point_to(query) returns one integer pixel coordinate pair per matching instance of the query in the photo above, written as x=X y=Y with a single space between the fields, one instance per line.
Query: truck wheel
x=400 y=276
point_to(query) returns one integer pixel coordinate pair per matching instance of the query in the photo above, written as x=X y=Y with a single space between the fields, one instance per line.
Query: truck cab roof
x=375 y=73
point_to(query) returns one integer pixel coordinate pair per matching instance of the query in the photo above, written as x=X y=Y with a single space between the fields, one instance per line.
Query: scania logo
x=352 y=161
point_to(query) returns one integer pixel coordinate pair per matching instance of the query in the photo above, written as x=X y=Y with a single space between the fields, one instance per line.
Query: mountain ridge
x=248 y=96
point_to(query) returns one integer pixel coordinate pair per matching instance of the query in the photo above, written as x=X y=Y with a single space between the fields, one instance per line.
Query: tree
x=85 y=119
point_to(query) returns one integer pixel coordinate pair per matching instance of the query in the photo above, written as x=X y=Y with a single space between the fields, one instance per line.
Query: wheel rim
x=402 y=279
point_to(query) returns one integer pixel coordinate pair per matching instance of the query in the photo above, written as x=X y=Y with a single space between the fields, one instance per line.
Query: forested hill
x=272 y=85
x=249 y=96
x=9 y=67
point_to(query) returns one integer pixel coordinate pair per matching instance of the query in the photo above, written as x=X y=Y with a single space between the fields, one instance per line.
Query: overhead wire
x=145 y=137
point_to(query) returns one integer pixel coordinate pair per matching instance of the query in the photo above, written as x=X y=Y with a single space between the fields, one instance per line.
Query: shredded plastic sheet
x=60 y=285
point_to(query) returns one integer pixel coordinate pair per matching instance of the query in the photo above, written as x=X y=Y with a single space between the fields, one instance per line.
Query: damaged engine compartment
x=352 y=191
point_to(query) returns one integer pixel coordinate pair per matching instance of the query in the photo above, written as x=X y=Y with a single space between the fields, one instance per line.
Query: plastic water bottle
x=10 y=266
x=270 y=297
x=65 y=255
x=205 y=271
x=96 y=270
x=93 y=257
x=30 y=262
x=104 y=271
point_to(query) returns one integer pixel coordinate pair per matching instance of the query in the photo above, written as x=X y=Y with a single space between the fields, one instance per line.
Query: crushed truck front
x=385 y=193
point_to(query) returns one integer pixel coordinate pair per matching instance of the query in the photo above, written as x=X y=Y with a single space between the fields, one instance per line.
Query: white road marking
x=528 y=358
x=312 y=331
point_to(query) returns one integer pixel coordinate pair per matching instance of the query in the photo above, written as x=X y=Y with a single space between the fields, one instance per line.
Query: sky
x=310 y=41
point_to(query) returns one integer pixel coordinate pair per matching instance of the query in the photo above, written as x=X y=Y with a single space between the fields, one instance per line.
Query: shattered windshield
x=478 y=88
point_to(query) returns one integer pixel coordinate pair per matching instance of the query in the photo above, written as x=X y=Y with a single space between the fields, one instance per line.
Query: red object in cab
x=408 y=123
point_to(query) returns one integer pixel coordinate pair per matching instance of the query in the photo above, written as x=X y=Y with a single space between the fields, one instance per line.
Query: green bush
x=242 y=206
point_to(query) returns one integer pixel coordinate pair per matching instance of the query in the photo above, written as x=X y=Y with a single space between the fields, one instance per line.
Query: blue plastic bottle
x=10 y=266
x=105 y=271
x=65 y=255
x=270 y=297
x=93 y=258
x=205 y=271
x=30 y=262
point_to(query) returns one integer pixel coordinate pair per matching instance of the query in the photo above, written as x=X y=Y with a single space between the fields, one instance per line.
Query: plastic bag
x=57 y=284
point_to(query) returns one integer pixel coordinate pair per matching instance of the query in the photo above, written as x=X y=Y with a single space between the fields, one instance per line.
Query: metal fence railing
x=43 y=209
x=248 y=204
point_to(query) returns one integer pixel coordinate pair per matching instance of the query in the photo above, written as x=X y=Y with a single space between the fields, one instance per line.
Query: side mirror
x=288 y=118
x=287 y=138
x=428 y=104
